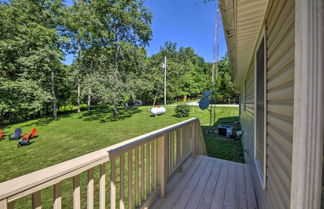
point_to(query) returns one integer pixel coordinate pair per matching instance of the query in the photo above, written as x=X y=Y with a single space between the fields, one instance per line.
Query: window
x=260 y=111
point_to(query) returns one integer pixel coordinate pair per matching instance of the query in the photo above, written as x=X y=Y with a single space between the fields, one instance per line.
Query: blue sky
x=186 y=22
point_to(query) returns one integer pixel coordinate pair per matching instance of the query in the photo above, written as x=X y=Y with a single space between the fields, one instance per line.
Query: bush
x=182 y=111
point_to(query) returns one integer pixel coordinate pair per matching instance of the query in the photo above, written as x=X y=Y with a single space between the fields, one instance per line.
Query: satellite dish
x=207 y=93
x=204 y=103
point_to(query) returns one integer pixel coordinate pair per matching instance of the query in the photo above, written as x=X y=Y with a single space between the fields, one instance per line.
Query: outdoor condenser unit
x=225 y=130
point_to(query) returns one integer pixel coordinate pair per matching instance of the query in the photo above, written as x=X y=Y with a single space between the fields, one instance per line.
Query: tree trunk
x=79 y=91
x=89 y=91
x=54 y=96
x=115 y=110
x=89 y=99
x=78 y=77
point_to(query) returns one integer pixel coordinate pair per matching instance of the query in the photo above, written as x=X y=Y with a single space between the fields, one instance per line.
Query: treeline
x=111 y=67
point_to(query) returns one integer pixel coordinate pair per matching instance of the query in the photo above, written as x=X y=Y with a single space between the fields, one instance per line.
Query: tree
x=31 y=43
x=82 y=24
x=111 y=67
x=225 y=90
x=187 y=73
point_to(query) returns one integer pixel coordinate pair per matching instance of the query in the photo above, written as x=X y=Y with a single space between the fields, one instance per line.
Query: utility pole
x=165 y=71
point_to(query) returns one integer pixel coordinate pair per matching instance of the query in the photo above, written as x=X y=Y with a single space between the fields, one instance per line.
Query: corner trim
x=307 y=157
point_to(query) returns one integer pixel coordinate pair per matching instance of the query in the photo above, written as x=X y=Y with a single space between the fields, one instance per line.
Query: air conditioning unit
x=225 y=130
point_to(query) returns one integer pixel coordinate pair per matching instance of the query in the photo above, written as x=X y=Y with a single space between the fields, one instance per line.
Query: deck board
x=207 y=196
x=173 y=195
x=210 y=183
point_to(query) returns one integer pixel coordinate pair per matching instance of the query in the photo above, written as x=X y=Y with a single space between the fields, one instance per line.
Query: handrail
x=122 y=146
x=164 y=142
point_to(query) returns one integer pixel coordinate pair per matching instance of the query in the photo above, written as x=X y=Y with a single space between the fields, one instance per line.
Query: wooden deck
x=210 y=183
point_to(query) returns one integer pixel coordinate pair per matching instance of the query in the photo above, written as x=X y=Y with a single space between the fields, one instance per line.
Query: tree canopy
x=111 y=66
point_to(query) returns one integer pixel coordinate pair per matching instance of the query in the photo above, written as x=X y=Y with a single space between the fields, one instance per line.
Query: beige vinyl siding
x=280 y=43
x=280 y=92
x=247 y=117
x=280 y=34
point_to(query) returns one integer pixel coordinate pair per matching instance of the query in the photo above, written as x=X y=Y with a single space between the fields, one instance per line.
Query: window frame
x=262 y=172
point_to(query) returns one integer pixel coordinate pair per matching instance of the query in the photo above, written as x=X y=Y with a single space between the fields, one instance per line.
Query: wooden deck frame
x=308 y=106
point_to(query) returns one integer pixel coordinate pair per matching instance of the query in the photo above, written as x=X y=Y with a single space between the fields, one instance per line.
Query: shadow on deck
x=210 y=183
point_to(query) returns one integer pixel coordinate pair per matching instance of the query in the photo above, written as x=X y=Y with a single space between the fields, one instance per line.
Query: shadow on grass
x=41 y=122
x=106 y=114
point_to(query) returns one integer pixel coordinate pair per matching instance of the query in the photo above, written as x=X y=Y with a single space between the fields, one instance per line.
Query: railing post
x=162 y=164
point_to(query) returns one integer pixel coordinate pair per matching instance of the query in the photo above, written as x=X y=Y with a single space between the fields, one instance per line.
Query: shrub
x=182 y=111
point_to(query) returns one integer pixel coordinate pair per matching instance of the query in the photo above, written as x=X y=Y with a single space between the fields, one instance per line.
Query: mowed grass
x=76 y=134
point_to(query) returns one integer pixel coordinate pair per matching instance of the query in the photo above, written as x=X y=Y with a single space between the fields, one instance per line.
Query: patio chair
x=25 y=142
x=32 y=133
x=17 y=134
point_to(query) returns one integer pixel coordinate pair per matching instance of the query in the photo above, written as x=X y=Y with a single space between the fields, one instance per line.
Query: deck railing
x=138 y=170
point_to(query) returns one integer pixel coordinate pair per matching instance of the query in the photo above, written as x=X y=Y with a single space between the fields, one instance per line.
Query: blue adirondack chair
x=17 y=134
x=25 y=141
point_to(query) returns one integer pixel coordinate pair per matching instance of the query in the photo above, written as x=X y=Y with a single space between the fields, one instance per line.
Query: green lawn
x=73 y=135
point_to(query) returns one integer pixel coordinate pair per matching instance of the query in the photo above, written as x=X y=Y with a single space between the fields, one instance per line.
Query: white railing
x=138 y=169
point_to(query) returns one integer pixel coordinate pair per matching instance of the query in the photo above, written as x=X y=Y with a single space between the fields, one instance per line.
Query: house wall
x=247 y=117
x=280 y=36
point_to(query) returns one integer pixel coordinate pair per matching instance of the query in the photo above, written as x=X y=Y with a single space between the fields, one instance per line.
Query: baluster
x=178 y=146
x=152 y=165
x=181 y=142
x=4 y=204
x=102 y=187
x=191 y=147
x=148 y=169
x=122 y=193
x=76 y=192
x=171 y=150
x=136 y=178
x=143 y=173
x=156 y=162
x=162 y=164
x=187 y=142
x=183 y=139
x=113 y=184
x=90 y=189
x=194 y=138
x=37 y=203
x=57 y=204
x=130 y=199
x=11 y=205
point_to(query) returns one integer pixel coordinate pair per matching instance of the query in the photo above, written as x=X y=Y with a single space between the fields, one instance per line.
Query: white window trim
x=261 y=172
